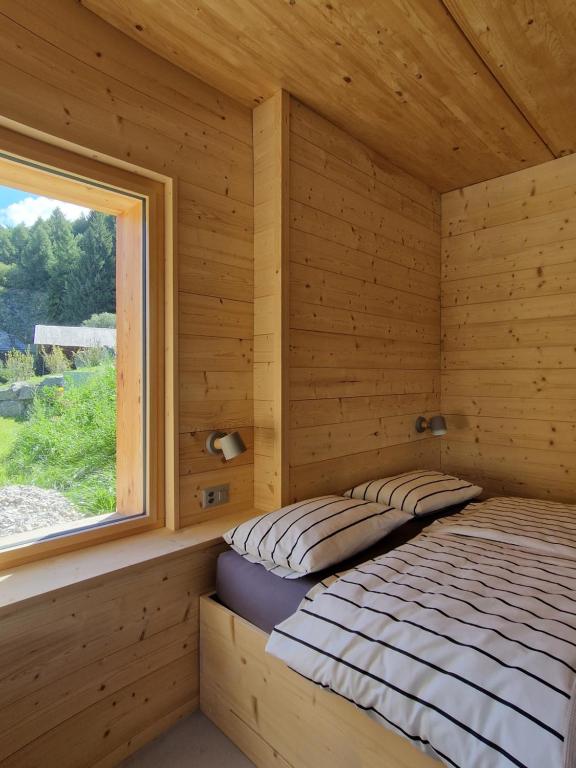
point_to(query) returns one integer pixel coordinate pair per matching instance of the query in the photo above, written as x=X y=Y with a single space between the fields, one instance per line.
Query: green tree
x=61 y=266
x=32 y=258
x=7 y=250
x=80 y=225
x=92 y=287
x=19 y=237
x=101 y=320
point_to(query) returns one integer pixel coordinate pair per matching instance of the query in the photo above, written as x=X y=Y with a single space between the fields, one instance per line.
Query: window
x=81 y=351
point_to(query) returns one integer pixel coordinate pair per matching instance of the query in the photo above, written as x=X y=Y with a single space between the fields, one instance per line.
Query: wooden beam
x=271 y=303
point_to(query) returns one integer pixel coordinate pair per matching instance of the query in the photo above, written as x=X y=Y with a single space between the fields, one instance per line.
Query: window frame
x=42 y=168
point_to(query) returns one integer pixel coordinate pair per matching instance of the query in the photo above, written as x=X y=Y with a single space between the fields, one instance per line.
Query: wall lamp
x=229 y=445
x=436 y=425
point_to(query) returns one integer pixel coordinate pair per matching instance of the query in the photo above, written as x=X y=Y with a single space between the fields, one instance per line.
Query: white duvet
x=462 y=640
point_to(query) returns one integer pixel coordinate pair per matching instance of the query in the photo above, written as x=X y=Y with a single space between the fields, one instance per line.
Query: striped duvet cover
x=462 y=640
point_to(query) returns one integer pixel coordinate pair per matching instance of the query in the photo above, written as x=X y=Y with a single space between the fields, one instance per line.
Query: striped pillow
x=311 y=535
x=418 y=492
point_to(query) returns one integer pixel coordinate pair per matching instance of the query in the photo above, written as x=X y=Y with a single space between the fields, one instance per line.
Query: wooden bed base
x=279 y=719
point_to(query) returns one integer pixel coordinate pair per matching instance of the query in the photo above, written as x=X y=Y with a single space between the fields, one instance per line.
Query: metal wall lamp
x=229 y=445
x=436 y=425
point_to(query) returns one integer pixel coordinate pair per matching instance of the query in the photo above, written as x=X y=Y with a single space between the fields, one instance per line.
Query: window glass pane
x=58 y=368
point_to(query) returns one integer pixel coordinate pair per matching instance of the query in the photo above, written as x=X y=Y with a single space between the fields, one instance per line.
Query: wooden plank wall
x=89 y=674
x=364 y=335
x=67 y=73
x=509 y=326
x=88 y=677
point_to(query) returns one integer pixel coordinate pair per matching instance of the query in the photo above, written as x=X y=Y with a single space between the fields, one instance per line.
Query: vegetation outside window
x=81 y=367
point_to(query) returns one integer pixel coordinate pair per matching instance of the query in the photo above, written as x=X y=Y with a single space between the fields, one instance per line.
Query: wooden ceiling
x=453 y=91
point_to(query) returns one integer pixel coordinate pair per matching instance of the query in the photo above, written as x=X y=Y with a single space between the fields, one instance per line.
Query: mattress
x=264 y=599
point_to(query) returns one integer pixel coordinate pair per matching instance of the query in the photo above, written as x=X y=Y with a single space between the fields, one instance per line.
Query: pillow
x=419 y=492
x=311 y=535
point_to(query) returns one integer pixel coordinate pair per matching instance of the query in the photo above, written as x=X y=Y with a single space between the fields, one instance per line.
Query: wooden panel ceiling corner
x=398 y=75
x=530 y=47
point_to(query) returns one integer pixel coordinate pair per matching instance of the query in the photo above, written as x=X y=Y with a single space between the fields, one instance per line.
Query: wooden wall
x=67 y=73
x=88 y=676
x=509 y=330
x=91 y=673
x=364 y=283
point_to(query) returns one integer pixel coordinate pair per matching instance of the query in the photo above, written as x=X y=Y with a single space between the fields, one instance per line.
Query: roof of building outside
x=75 y=336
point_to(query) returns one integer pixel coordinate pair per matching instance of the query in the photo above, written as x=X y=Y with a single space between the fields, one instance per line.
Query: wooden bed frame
x=279 y=719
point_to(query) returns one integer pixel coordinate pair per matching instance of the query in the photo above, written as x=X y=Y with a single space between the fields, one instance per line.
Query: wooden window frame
x=145 y=477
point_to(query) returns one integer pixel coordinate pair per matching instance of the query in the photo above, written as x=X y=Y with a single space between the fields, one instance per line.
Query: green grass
x=68 y=443
x=9 y=431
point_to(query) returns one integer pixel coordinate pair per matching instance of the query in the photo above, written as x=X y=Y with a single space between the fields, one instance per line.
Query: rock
x=22 y=390
x=6 y=393
x=12 y=409
x=52 y=381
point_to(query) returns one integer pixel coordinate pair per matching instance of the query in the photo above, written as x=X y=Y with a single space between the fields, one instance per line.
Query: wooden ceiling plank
x=400 y=76
x=530 y=47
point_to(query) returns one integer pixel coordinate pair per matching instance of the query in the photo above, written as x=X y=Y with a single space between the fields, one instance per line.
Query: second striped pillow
x=418 y=492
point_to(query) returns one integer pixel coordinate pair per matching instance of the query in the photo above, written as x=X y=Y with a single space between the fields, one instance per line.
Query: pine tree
x=92 y=287
x=33 y=257
x=65 y=256
x=7 y=250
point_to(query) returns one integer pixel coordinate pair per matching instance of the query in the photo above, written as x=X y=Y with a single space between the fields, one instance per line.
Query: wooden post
x=271 y=306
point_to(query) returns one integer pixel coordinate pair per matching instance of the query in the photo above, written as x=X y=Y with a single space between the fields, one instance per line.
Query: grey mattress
x=265 y=600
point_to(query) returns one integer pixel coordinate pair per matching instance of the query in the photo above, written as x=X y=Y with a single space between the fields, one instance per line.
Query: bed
x=265 y=600
x=509 y=703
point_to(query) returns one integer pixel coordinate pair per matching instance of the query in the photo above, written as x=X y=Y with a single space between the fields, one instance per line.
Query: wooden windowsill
x=36 y=580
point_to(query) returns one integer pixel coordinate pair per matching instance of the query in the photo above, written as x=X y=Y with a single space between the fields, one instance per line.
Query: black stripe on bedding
x=496 y=575
x=393 y=556
x=366 y=673
x=441 y=670
x=522 y=552
x=465 y=621
x=357 y=505
x=522 y=523
x=341 y=530
x=535 y=516
x=437 y=493
x=297 y=520
x=411 y=546
x=410 y=476
x=508 y=530
x=406 y=478
x=519 y=560
x=259 y=520
x=413 y=479
x=537 y=506
x=275 y=522
x=450 y=639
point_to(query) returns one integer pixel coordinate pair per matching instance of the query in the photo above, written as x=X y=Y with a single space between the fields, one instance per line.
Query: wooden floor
x=193 y=743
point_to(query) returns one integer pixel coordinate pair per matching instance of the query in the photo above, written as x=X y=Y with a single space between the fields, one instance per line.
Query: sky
x=19 y=207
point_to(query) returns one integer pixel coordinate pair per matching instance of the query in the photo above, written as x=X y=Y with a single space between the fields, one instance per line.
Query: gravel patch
x=26 y=508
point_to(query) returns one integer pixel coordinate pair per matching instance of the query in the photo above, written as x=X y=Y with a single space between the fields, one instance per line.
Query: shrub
x=69 y=443
x=89 y=357
x=18 y=366
x=56 y=360
x=101 y=320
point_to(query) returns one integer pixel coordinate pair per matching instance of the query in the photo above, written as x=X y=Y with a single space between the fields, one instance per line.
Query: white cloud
x=31 y=208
